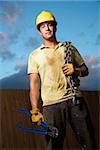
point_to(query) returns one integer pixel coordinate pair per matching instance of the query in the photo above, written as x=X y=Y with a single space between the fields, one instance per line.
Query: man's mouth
x=48 y=33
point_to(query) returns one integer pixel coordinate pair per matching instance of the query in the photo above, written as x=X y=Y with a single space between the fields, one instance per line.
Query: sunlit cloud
x=92 y=61
x=20 y=66
x=91 y=82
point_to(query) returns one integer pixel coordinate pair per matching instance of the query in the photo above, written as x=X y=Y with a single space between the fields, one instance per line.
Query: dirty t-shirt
x=48 y=62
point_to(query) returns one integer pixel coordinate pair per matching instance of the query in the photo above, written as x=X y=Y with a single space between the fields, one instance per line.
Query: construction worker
x=46 y=64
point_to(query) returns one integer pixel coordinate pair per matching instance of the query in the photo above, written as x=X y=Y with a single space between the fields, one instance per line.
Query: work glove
x=36 y=117
x=68 y=69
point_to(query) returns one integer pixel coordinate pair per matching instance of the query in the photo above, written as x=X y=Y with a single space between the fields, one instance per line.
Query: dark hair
x=53 y=22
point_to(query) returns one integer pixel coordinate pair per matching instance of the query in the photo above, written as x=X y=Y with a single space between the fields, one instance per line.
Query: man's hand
x=37 y=117
x=68 y=69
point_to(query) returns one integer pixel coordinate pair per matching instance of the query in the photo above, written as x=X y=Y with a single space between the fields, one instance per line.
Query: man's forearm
x=34 y=90
x=81 y=70
x=34 y=97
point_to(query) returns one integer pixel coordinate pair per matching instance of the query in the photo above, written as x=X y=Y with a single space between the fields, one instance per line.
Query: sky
x=78 y=22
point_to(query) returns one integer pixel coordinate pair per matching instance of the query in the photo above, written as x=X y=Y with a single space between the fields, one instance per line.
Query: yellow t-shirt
x=48 y=62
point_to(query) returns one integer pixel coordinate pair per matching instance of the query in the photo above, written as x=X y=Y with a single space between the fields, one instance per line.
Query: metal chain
x=68 y=59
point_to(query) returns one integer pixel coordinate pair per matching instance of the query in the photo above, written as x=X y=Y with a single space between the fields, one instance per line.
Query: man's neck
x=50 y=43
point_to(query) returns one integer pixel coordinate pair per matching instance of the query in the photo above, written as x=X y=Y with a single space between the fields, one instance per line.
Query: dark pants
x=71 y=112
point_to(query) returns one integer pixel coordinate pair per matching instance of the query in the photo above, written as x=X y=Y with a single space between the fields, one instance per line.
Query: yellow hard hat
x=45 y=16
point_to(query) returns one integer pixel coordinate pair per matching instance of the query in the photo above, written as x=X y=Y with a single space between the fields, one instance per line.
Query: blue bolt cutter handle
x=47 y=129
x=44 y=124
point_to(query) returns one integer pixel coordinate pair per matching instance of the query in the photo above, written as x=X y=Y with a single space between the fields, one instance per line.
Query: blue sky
x=78 y=22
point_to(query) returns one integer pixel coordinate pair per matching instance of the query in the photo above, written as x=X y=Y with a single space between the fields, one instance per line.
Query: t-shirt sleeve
x=77 y=58
x=32 y=65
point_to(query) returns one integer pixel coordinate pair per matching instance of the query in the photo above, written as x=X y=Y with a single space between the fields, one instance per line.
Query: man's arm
x=34 y=89
x=81 y=71
x=37 y=117
x=80 y=68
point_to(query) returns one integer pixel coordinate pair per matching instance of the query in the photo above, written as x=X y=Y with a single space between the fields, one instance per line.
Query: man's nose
x=47 y=27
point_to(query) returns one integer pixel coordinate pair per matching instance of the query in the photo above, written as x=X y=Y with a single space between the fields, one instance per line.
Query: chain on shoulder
x=67 y=52
x=68 y=59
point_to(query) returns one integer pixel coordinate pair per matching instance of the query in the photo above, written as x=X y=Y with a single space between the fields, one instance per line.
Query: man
x=61 y=104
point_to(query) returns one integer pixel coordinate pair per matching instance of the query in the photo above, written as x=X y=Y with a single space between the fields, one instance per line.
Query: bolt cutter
x=44 y=128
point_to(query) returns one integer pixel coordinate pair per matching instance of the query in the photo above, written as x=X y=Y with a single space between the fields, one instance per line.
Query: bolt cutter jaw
x=52 y=131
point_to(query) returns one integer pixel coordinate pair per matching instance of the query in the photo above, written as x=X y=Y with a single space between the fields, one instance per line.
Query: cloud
x=5 y=42
x=8 y=38
x=92 y=61
x=10 y=13
x=20 y=67
x=92 y=82
x=98 y=39
x=32 y=42
x=82 y=34
x=6 y=55
x=91 y=26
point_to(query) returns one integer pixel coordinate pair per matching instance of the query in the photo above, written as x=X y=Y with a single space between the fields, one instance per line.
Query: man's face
x=47 y=30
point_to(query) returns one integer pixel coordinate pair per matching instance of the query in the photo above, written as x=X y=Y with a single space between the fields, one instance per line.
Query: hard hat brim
x=54 y=22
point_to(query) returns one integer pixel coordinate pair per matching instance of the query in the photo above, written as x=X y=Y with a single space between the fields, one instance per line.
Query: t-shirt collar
x=57 y=46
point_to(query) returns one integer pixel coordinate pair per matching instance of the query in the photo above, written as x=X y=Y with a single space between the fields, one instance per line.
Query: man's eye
x=50 y=24
x=42 y=26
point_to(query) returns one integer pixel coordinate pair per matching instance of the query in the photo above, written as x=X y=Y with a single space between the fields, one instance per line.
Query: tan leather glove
x=68 y=69
x=36 y=117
